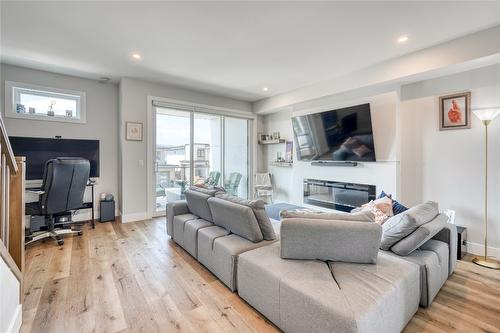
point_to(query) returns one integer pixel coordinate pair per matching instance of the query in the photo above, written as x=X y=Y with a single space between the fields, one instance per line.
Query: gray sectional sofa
x=232 y=239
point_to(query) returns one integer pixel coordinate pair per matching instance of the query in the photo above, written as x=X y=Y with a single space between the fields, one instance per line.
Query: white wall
x=10 y=306
x=384 y=173
x=134 y=107
x=102 y=119
x=448 y=166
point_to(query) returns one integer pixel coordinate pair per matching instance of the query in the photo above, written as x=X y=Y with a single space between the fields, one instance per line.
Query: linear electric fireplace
x=337 y=195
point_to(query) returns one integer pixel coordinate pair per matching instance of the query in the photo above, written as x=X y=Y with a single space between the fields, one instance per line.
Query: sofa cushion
x=210 y=191
x=330 y=240
x=361 y=216
x=236 y=218
x=191 y=229
x=259 y=209
x=220 y=253
x=418 y=237
x=403 y=224
x=198 y=204
x=178 y=227
x=433 y=261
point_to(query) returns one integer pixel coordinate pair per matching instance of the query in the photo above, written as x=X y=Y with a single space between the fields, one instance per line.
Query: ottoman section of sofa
x=383 y=297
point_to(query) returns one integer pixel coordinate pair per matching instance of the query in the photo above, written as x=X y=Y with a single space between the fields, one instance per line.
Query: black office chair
x=63 y=187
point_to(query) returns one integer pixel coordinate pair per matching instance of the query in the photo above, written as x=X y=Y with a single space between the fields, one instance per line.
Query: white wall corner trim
x=133 y=217
x=16 y=321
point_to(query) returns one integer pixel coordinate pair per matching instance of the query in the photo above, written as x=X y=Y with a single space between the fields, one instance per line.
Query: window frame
x=14 y=89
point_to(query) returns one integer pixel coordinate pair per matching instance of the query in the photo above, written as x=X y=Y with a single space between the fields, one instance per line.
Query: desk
x=86 y=205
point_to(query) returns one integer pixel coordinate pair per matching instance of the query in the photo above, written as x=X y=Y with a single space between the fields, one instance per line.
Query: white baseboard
x=135 y=217
x=478 y=249
x=87 y=215
x=15 y=323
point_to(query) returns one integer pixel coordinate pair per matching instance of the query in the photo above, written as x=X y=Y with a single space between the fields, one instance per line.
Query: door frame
x=202 y=108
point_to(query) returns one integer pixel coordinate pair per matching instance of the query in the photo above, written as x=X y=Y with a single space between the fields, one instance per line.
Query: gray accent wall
x=102 y=120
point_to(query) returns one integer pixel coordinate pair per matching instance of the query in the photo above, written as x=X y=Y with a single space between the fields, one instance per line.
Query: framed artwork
x=133 y=131
x=289 y=151
x=454 y=111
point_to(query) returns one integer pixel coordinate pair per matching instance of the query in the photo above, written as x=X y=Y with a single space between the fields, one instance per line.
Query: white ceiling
x=229 y=48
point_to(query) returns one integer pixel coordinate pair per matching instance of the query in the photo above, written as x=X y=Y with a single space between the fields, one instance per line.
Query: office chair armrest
x=37 y=192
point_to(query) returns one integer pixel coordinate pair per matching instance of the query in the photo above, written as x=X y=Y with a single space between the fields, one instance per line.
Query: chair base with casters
x=52 y=231
x=56 y=234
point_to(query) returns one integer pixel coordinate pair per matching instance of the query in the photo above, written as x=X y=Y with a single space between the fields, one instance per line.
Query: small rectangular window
x=28 y=101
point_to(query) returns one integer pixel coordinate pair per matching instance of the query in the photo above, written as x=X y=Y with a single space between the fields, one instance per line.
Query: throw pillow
x=383 y=204
x=420 y=236
x=380 y=216
x=397 y=207
x=403 y=224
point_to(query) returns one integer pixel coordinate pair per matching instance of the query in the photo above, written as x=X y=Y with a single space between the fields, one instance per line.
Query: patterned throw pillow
x=380 y=217
x=384 y=204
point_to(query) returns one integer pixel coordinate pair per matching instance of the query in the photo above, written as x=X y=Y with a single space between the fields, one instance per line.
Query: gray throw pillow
x=258 y=208
x=420 y=236
x=403 y=224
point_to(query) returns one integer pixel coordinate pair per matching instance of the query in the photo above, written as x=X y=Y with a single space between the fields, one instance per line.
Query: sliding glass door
x=198 y=148
x=172 y=157
x=236 y=156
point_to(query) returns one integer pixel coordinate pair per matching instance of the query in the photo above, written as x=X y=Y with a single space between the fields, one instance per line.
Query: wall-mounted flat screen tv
x=337 y=135
x=39 y=150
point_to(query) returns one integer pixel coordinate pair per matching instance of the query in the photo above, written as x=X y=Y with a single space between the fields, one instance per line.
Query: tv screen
x=338 y=135
x=39 y=150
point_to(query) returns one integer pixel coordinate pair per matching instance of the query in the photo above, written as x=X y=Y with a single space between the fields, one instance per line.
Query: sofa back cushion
x=238 y=219
x=198 y=204
x=361 y=216
x=403 y=224
x=420 y=236
x=258 y=208
x=345 y=241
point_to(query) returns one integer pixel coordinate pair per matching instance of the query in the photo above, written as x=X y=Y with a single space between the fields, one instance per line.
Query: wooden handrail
x=6 y=148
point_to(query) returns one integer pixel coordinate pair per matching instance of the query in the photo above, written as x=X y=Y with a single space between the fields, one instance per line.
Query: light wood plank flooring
x=133 y=278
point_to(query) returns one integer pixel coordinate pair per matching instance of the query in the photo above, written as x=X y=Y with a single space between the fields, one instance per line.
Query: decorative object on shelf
x=289 y=151
x=455 y=111
x=31 y=110
x=20 y=108
x=266 y=139
x=133 y=131
x=69 y=113
x=486 y=115
x=50 y=112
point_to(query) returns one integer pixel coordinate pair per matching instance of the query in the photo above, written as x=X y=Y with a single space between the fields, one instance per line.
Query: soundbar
x=335 y=163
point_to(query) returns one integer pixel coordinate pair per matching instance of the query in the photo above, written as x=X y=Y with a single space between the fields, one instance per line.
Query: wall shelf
x=282 y=164
x=272 y=142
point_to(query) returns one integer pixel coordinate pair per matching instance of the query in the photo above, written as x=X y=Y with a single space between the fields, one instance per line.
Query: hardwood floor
x=133 y=278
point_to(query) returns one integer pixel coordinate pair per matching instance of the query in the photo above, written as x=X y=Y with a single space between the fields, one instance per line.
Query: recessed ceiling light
x=265 y=89
x=402 y=39
x=136 y=56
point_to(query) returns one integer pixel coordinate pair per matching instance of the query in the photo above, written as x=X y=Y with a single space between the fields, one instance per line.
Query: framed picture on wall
x=454 y=111
x=133 y=131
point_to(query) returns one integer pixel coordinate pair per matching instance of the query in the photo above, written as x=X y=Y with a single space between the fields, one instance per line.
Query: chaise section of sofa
x=316 y=296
